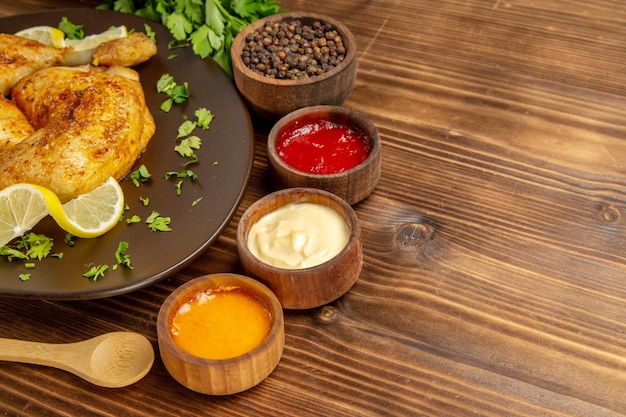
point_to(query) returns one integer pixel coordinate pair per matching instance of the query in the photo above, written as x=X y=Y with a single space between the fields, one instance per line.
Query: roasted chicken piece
x=14 y=126
x=91 y=123
x=128 y=52
x=20 y=57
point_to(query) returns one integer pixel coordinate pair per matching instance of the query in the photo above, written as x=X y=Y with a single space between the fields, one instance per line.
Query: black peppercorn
x=292 y=50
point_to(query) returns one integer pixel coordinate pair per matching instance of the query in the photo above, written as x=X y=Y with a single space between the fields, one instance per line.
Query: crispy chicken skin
x=20 y=57
x=90 y=124
x=128 y=52
x=14 y=126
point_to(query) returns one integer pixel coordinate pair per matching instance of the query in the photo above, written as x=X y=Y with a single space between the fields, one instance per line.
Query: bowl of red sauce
x=303 y=243
x=221 y=334
x=332 y=148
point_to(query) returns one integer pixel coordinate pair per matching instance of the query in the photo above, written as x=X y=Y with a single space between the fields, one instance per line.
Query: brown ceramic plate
x=223 y=171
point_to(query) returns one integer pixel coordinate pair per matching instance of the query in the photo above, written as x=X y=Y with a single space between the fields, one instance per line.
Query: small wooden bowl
x=220 y=376
x=273 y=98
x=354 y=184
x=307 y=287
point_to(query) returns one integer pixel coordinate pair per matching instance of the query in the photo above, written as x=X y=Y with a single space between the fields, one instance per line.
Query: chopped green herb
x=39 y=250
x=192 y=160
x=156 y=223
x=165 y=83
x=188 y=174
x=176 y=44
x=186 y=128
x=176 y=93
x=24 y=277
x=145 y=201
x=182 y=174
x=69 y=240
x=196 y=201
x=29 y=246
x=179 y=187
x=152 y=216
x=166 y=106
x=180 y=93
x=140 y=175
x=38 y=245
x=134 y=219
x=29 y=265
x=121 y=257
x=12 y=253
x=205 y=117
x=187 y=145
x=96 y=272
x=149 y=32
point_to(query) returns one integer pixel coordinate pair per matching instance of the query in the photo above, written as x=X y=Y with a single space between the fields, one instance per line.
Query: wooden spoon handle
x=55 y=355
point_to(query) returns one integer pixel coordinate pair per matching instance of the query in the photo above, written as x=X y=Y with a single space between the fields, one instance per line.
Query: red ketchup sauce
x=322 y=147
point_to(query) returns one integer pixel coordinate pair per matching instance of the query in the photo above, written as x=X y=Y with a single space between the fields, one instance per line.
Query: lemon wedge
x=47 y=35
x=89 y=215
x=21 y=207
x=93 y=41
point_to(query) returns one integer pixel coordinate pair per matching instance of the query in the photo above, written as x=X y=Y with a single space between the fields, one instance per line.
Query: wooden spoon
x=110 y=360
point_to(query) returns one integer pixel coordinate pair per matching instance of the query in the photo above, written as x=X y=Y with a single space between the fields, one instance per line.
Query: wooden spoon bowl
x=273 y=98
x=307 y=287
x=220 y=376
x=111 y=360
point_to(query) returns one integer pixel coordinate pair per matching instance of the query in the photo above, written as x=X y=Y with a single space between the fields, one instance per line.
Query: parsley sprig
x=121 y=256
x=209 y=26
x=140 y=175
x=96 y=271
x=156 y=223
x=176 y=93
x=71 y=30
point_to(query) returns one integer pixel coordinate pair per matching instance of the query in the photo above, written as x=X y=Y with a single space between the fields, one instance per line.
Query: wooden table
x=495 y=259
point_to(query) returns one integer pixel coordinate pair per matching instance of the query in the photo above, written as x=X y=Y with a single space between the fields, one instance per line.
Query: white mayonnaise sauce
x=298 y=235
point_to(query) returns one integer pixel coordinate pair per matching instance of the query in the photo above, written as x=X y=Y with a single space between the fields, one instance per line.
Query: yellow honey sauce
x=221 y=323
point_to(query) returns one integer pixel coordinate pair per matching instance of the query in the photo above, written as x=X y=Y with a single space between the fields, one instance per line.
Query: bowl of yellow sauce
x=303 y=243
x=221 y=334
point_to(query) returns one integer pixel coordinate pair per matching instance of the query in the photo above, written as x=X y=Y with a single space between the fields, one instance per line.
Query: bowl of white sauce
x=303 y=243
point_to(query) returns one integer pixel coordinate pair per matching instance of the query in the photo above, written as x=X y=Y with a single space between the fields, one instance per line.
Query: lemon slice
x=48 y=35
x=93 y=41
x=22 y=206
x=89 y=215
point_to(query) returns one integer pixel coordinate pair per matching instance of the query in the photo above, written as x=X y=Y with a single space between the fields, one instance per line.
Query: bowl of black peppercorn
x=288 y=61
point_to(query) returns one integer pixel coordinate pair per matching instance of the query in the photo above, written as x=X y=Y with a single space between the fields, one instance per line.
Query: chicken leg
x=91 y=123
x=20 y=57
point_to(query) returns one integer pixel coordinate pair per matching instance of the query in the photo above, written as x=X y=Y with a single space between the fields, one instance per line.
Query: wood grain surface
x=494 y=276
